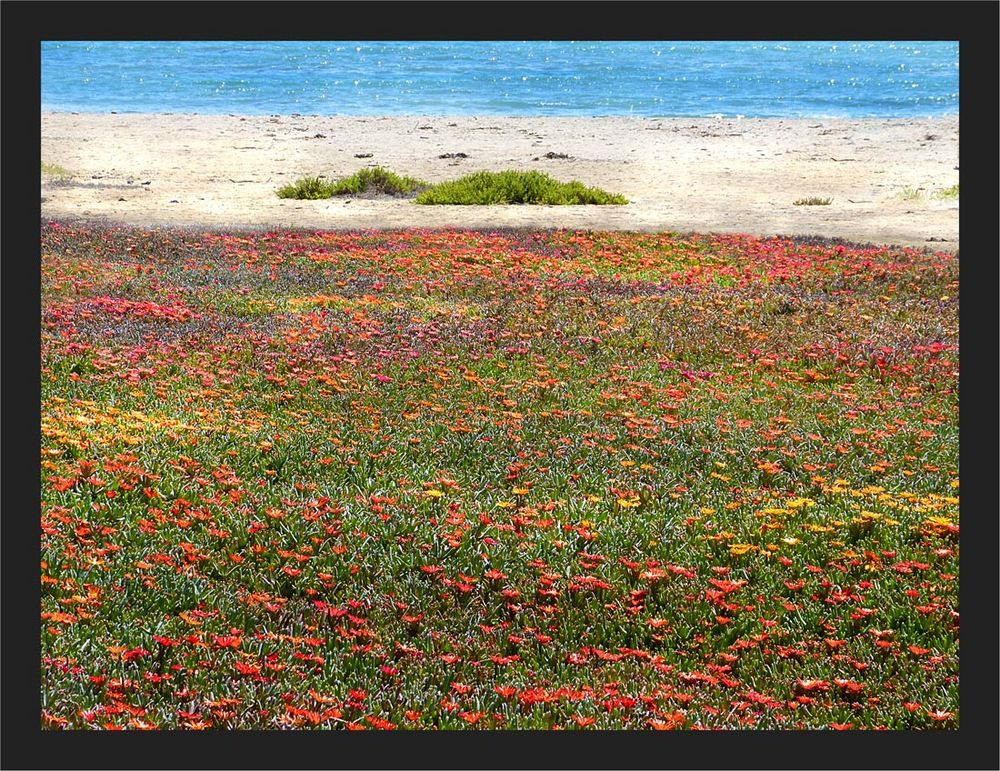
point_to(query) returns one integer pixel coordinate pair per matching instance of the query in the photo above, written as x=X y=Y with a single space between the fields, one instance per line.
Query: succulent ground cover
x=467 y=480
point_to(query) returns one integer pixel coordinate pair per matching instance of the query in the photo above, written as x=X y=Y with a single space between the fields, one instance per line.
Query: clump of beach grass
x=812 y=201
x=911 y=194
x=512 y=187
x=948 y=192
x=376 y=181
x=54 y=170
x=307 y=189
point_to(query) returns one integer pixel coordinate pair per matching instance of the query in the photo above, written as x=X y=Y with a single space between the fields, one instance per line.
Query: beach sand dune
x=884 y=177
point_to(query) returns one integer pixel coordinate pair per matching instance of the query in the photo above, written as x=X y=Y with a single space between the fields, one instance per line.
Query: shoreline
x=884 y=176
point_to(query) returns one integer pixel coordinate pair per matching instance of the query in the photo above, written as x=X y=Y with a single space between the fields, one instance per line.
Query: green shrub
x=948 y=192
x=307 y=188
x=812 y=201
x=508 y=187
x=377 y=180
x=484 y=187
x=54 y=170
x=369 y=180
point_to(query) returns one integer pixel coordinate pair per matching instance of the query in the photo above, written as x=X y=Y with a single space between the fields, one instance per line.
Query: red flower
x=670 y=722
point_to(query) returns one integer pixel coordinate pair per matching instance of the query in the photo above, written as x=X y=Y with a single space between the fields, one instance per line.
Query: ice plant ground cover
x=445 y=479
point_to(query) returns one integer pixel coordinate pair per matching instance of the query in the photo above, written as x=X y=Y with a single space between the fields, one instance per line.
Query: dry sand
x=681 y=174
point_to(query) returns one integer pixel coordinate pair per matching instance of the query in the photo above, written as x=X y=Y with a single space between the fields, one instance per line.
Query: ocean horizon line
x=373 y=116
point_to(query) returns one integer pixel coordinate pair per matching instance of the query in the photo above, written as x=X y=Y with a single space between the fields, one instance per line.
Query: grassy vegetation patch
x=54 y=170
x=812 y=201
x=483 y=188
x=948 y=192
x=368 y=181
x=506 y=187
x=307 y=189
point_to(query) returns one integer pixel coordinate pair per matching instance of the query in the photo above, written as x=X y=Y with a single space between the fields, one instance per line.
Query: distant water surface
x=650 y=79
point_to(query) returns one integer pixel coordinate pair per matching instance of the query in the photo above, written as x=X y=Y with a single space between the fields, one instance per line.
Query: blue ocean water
x=650 y=79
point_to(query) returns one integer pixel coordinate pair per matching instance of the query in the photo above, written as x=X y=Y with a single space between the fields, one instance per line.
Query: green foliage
x=506 y=187
x=307 y=189
x=377 y=180
x=484 y=187
x=812 y=201
x=369 y=180
x=54 y=170
x=948 y=192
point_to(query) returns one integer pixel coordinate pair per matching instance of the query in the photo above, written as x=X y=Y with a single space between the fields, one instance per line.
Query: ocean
x=756 y=79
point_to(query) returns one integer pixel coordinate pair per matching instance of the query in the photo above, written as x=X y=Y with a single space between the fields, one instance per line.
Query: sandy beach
x=883 y=176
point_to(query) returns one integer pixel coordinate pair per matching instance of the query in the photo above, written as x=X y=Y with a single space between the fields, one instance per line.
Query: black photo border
x=25 y=24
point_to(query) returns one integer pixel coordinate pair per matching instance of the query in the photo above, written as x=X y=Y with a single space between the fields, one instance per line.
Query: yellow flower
x=433 y=493
x=739 y=549
x=520 y=491
x=629 y=503
x=773 y=512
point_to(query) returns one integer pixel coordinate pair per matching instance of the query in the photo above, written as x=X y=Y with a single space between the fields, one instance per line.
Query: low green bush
x=307 y=188
x=484 y=187
x=369 y=180
x=54 y=170
x=507 y=187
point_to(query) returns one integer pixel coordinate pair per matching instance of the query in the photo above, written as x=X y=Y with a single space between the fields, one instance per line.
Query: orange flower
x=671 y=721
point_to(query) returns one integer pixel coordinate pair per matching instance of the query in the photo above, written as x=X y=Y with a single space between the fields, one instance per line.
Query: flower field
x=496 y=480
